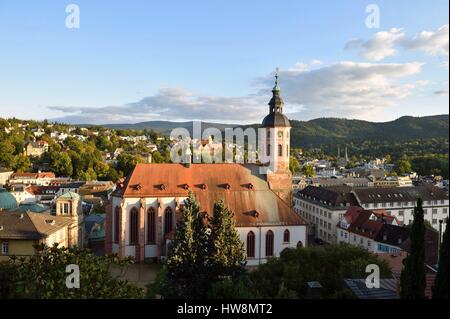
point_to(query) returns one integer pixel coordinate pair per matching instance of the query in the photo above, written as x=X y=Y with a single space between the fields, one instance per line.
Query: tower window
x=268 y=149
x=280 y=134
x=280 y=150
x=287 y=150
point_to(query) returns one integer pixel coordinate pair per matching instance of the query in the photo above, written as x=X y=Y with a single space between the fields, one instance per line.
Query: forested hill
x=332 y=130
x=329 y=131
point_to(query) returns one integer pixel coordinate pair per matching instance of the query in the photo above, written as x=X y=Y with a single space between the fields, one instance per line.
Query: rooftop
x=27 y=225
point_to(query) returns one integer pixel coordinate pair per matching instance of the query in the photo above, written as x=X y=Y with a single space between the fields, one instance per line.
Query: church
x=145 y=208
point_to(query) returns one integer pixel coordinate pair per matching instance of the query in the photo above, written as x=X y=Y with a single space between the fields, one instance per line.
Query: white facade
x=404 y=211
x=323 y=219
x=297 y=234
x=344 y=236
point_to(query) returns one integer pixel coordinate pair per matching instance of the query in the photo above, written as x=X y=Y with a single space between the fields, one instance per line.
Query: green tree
x=43 y=276
x=308 y=171
x=186 y=262
x=227 y=250
x=21 y=163
x=61 y=163
x=403 y=166
x=286 y=277
x=7 y=150
x=441 y=284
x=294 y=165
x=412 y=279
x=127 y=162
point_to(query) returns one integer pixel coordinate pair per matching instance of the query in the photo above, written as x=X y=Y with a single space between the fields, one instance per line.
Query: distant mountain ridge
x=330 y=130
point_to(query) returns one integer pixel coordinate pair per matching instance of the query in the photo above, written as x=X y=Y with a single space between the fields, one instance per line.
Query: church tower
x=70 y=205
x=277 y=129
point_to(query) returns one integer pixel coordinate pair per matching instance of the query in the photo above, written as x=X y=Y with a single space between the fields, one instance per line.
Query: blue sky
x=132 y=61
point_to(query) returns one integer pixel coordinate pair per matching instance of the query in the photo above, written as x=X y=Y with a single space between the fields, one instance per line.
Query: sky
x=133 y=61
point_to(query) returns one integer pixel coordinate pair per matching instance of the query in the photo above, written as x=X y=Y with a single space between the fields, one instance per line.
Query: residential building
x=400 y=202
x=323 y=208
x=40 y=178
x=20 y=231
x=37 y=148
x=375 y=231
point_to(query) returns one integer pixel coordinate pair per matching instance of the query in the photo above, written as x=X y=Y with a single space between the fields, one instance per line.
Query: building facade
x=323 y=208
x=400 y=202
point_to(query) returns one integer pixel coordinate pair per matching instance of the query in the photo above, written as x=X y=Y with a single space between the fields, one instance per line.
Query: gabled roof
x=380 y=229
x=245 y=193
x=27 y=225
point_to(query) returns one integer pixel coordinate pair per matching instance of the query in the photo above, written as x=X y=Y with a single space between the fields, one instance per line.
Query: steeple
x=276 y=103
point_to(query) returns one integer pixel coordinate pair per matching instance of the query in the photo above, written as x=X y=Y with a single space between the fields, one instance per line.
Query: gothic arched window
x=168 y=220
x=251 y=244
x=299 y=244
x=286 y=236
x=268 y=149
x=269 y=243
x=134 y=226
x=116 y=224
x=280 y=150
x=151 y=225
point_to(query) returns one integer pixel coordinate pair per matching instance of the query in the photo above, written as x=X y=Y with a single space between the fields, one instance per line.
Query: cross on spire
x=277 y=87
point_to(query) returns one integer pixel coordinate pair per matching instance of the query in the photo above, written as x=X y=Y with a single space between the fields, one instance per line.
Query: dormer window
x=204 y=187
x=186 y=187
x=227 y=186
x=162 y=187
x=250 y=186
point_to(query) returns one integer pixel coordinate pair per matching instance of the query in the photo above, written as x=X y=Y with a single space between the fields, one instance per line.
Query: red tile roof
x=252 y=206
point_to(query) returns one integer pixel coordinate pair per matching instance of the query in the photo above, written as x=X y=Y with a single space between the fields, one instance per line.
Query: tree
x=293 y=165
x=308 y=171
x=43 y=276
x=440 y=290
x=127 y=162
x=286 y=277
x=403 y=166
x=61 y=163
x=412 y=279
x=227 y=250
x=7 y=150
x=21 y=163
x=186 y=260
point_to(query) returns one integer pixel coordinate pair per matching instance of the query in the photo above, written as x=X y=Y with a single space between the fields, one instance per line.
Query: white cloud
x=345 y=89
x=432 y=43
x=380 y=46
x=385 y=43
